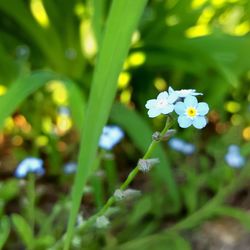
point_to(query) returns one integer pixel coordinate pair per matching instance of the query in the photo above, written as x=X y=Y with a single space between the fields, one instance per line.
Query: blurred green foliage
x=48 y=53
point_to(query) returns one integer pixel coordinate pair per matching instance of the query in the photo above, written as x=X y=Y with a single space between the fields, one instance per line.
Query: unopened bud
x=146 y=165
x=168 y=134
x=126 y=194
x=156 y=136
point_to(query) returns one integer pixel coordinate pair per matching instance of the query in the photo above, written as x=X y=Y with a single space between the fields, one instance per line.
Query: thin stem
x=200 y=215
x=123 y=186
x=31 y=195
x=129 y=179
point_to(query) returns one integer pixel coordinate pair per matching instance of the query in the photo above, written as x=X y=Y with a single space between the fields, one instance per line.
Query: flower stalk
x=123 y=186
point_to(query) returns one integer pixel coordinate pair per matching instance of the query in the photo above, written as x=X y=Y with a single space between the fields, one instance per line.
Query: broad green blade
x=23 y=230
x=5 y=230
x=122 y=21
x=29 y=84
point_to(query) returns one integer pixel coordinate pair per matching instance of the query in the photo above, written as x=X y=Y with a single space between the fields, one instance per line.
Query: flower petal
x=180 y=108
x=170 y=90
x=199 y=122
x=202 y=108
x=184 y=121
x=173 y=97
x=167 y=109
x=162 y=95
x=150 y=103
x=154 y=112
x=190 y=101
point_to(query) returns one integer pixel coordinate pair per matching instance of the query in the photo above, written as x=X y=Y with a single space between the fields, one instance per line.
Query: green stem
x=205 y=212
x=125 y=184
x=31 y=195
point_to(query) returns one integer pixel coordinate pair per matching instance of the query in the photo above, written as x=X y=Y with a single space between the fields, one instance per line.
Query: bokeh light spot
x=39 y=13
x=3 y=90
x=232 y=106
x=246 y=133
x=137 y=59
x=123 y=80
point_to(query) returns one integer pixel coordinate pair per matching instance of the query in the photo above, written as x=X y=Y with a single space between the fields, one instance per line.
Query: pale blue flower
x=111 y=135
x=233 y=157
x=181 y=146
x=163 y=104
x=184 y=92
x=29 y=165
x=69 y=168
x=64 y=111
x=191 y=112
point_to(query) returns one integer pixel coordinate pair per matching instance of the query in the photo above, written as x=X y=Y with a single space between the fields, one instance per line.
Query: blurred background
x=185 y=44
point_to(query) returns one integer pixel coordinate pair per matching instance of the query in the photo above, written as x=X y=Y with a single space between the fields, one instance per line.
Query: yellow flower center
x=191 y=112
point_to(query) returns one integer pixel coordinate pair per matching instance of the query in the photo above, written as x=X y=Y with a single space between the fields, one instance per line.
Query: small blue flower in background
x=184 y=92
x=111 y=135
x=191 y=112
x=163 y=104
x=233 y=157
x=69 y=168
x=181 y=146
x=29 y=165
x=62 y=110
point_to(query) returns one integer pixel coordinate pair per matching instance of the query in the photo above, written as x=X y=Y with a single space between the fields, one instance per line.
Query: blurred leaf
x=43 y=242
x=171 y=241
x=77 y=104
x=23 y=230
x=142 y=207
x=9 y=189
x=5 y=230
x=237 y=213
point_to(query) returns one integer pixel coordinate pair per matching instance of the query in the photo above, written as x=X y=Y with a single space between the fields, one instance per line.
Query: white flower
x=163 y=104
x=184 y=92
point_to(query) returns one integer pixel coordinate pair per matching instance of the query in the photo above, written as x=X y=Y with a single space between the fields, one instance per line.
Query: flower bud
x=146 y=165
x=126 y=194
x=156 y=136
x=168 y=134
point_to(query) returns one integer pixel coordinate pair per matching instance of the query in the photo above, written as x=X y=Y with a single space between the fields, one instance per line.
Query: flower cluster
x=234 y=158
x=184 y=103
x=29 y=165
x=111 y=135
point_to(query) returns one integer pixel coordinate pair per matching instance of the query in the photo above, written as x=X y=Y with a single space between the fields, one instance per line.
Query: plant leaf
x=23 y=230
x=122 y=21
x=5 y=230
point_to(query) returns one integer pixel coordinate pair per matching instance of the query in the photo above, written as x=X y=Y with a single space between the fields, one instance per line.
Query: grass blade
x=122 y=21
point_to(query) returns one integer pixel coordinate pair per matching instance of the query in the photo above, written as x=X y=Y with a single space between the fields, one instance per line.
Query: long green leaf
x=122 y=21
x=5 y=230
x=23 y=230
